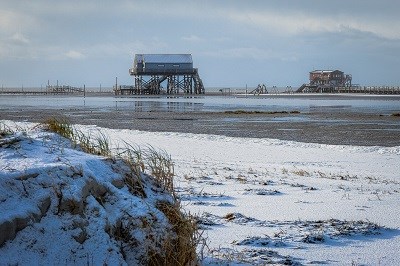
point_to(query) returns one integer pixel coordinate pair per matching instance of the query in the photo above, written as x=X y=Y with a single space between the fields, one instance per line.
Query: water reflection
x=377 y=104
x=158 y=106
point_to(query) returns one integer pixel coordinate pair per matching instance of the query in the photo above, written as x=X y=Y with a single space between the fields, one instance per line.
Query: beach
x=260 y=201
x=326 y=119
x=285 y=184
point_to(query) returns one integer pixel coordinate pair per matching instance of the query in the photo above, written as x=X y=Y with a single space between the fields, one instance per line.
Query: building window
x=161 y=65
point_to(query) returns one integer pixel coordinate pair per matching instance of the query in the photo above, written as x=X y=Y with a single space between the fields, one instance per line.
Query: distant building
x=163 y=74
x=154 y=64
x=327 y=77
x=335 y=81
x=326 y=81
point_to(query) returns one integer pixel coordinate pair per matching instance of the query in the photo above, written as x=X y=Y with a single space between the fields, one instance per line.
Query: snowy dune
x=61 y=206
x=271 y=201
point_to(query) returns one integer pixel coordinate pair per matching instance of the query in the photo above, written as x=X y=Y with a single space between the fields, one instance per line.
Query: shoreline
x=208 y=94
x=323 y=127
x=362 y=120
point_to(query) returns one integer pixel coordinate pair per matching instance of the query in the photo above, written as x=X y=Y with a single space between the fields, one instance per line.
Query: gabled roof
x=324 y=71
x=164 y=58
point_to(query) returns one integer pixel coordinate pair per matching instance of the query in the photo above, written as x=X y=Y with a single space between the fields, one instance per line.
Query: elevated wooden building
x=326 y=81
x=163 y=74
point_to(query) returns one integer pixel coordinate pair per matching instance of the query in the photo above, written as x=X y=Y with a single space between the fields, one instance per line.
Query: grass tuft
x=179 y=245
x=61 y=126
x=102 y=145
x=98 y=145
x=5 y=130
x=161 y=168
x=133 y=156
x=7 y=136
x=301 y=172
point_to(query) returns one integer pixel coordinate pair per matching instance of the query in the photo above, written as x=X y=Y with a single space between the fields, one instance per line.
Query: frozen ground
x=270 y=201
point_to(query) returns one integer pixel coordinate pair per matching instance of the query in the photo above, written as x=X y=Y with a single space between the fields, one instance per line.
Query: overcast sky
x=233 y=43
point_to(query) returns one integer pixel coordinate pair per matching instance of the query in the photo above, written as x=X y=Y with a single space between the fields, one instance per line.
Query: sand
x=314 y=126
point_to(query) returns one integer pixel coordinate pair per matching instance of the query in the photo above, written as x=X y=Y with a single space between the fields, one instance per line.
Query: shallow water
x=331 y=119
x=333 y=103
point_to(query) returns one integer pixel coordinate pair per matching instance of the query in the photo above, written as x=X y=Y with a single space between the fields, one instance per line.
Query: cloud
x=192 y=38
x=299 y=22
x=287 y=32
x=47 y=53
x=11 y=21
x=72 y=54
x=254 y=53
x=16 y=46
x=18 y=38
x=126 y=48
x=242 y=52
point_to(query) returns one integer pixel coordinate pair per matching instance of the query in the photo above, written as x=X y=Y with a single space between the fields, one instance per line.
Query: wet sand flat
x=323 y=126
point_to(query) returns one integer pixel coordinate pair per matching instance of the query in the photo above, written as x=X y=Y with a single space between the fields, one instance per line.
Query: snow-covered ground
x=61 y=206
x=265 y=200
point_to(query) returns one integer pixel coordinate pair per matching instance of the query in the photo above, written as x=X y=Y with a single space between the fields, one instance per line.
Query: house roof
x=325 y=71
x=164 y=58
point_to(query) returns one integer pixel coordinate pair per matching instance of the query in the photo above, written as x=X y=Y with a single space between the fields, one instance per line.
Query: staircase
x=153 y=85
x=198 y=83
x=302 y=87
x=308 y=88
x=261 y=89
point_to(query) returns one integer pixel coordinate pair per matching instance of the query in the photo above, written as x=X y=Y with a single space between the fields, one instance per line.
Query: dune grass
x=98 y=145
x=179 y=246
x=161 y=167
x=5 y=130
x=60 y=126
x=7 y=135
